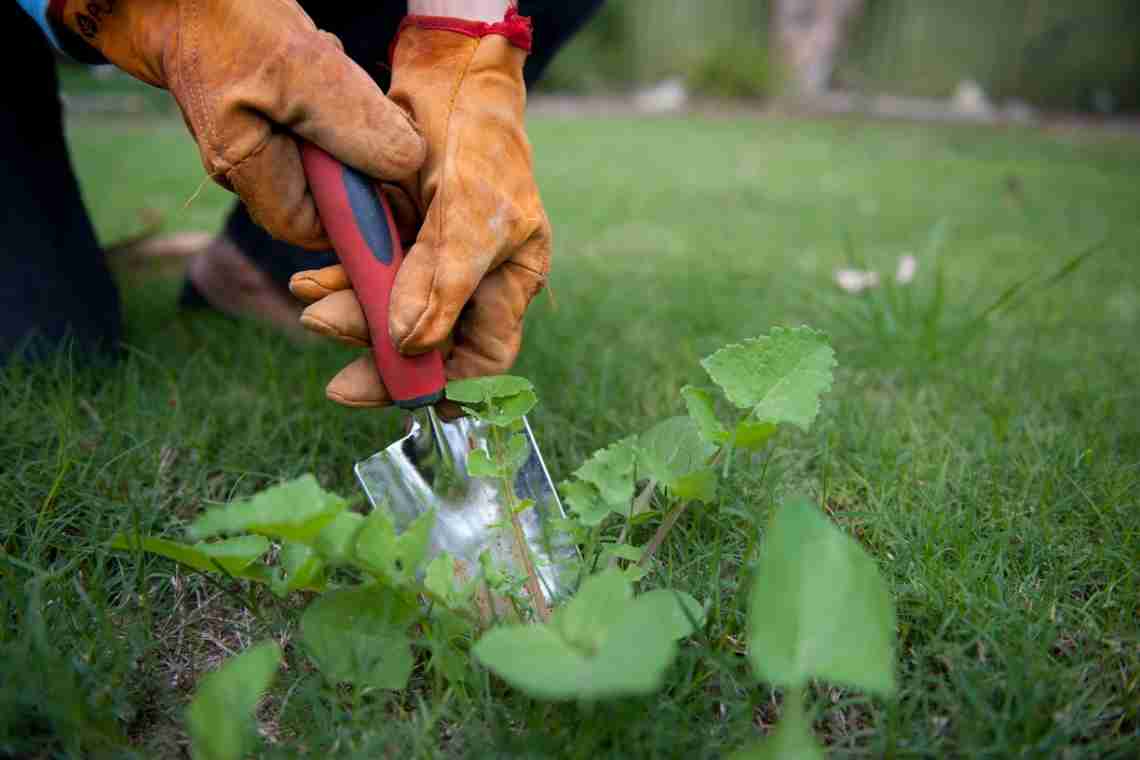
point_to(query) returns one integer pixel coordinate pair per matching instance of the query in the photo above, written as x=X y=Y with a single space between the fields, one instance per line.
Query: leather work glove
x=247 y=73
x=482 y=251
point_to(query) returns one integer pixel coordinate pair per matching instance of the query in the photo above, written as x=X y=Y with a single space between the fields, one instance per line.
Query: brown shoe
x=223 y=278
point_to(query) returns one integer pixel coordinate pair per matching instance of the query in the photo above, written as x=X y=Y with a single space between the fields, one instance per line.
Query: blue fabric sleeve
x=37 y=9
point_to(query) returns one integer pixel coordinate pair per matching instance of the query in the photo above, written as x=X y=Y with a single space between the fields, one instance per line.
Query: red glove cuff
x=517 y=29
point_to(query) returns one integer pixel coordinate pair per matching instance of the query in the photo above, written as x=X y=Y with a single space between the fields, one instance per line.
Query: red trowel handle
x=360 y=225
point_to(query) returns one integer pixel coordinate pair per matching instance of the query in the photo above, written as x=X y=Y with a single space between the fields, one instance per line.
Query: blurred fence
x=720 y=47
x=1082 y=54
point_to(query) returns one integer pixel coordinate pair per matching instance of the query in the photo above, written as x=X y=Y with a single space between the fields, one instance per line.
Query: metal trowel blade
x=427 y=469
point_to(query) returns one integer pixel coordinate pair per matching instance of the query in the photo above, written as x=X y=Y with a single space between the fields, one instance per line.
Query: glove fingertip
x=428 y=298
x=406 y=146
x=358 y=385
x=314 y=284
x=387 y=144
x=355 y=403
x=303 y=286
x=314 y=323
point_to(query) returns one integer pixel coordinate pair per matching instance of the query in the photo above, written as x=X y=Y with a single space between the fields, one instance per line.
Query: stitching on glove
x=241 y=162
x=439 y=196
x=542 y=276
x=189 y=53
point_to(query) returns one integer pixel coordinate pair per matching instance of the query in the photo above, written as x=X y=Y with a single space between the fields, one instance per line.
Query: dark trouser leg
x=366 y=38
x=56 y=284
x=555 y=23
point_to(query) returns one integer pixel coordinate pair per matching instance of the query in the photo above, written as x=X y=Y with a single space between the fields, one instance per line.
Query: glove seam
x=237 y=165
x=188 y=37
x=441 y=193
x=235 y=168
x=540 y=275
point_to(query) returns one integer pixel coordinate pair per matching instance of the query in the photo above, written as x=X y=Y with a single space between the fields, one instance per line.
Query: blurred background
x=979 y=59
x=1075 y=55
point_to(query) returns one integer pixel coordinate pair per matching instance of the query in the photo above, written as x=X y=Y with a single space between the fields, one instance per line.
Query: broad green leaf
x=504 y=412
x=447 y=637
x=480 y=465
x=440 y=579
x=394 y=557
x=622 y=551
x=359 y=635
x=220 y=717
x=818 y=607
x=585 y=501
x=337 y=542
x=605 y=483
x=792 y=739
x=702 y=410
x=479 y=390
x=517 y=453
x=633 y=572
x=571 y=528
x=697 y=486
x=535 y=660
x=493 y=574
x=298 y=567
x=235 y=555
x=449 y=661
x=780 y=376
x=584 y=620
x=293 y=511
x=413 y=542
x=500 y=400
x=376 y=544
x=753 y=436
x=643 y=642
x=603 y=643
x=610 y=470
x=673 y=449
x=677 y=610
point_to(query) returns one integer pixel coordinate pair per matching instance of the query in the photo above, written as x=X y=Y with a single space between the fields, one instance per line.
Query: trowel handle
x=360 y=225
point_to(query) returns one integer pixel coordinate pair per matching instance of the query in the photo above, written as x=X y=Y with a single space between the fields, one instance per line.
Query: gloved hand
x=482 y=251
x=245 y=74
x=483 y=248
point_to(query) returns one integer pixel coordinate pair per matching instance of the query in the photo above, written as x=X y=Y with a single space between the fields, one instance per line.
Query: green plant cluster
x=818 y=608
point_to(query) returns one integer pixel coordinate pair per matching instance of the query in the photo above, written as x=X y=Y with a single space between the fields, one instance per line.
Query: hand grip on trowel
x=360 y=225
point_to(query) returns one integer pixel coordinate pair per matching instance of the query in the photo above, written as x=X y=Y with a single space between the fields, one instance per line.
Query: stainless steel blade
x=427 y=469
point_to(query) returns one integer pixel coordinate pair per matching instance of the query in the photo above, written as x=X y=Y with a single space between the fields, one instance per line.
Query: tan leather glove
x=245 y=74
x=482 y=251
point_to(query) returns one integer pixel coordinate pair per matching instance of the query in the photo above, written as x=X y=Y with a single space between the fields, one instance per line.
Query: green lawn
x=995 y=481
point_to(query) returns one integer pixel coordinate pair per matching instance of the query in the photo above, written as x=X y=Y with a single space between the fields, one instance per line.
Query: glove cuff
x=517 y=29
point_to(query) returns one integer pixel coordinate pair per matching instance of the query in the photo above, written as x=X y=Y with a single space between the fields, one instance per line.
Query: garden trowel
x=427 y=468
